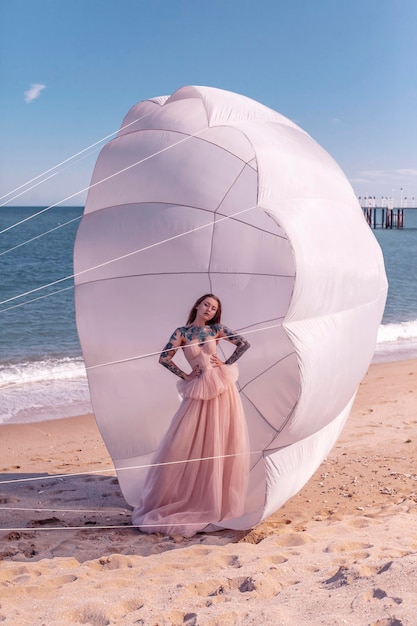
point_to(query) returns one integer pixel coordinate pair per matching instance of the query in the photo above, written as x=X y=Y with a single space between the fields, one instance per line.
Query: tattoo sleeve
x=168 y=353
x=172 y=367
x=240 y=342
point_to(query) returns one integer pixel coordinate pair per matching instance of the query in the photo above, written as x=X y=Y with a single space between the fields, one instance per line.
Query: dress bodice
x=199 y=354
x=213 y=380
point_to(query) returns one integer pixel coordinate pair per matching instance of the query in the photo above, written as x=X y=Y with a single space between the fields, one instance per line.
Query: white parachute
x=208 y=191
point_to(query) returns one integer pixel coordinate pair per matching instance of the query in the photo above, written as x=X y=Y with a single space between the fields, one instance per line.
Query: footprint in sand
x=379 y=594
x=91 y=479
x=342 y=577
x=291 y=540
x=234 y=561
x=8 y=499
x=361 y=522
x=91 y=614
x=356 y=548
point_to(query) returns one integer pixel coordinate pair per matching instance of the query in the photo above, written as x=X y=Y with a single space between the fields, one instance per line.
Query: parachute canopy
x=209 y=191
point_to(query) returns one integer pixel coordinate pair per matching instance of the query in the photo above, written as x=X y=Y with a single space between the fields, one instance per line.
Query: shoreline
x=60 y=396
x=346 y=541
x=81 y=403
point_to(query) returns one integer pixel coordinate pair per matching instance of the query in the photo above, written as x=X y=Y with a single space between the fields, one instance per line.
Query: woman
x=202 y=465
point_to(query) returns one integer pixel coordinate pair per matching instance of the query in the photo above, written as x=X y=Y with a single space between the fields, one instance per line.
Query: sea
x=42 y=372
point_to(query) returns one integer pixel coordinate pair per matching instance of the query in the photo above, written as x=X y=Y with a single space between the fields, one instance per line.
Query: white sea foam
x=56 y=388
x=388 y=333
x=26 y=372
x=42 y=390
x=396 y=342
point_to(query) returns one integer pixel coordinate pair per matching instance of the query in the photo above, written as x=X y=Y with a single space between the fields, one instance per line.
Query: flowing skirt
x=203 y=469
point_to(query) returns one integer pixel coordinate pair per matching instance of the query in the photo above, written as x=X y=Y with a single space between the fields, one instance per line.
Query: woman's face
x=206 y=310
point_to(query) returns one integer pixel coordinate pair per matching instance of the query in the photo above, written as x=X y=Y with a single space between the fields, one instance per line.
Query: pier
x=386 y=215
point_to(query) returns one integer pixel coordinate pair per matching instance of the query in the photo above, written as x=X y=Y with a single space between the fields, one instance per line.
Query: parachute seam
x=277 y=431
x=109 y=278
x=283 y=425
x=232 y=184
x=154 y=245
x=47 y=295
x=211 y=251
x=272 y=319
x=267 y=369
x=260 y=414
x=196 y=208
x=82 y=217
x=187 y=135
x=214 y=225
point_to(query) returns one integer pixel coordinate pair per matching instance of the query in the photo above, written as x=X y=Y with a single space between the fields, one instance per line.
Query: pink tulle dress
x=186 y=498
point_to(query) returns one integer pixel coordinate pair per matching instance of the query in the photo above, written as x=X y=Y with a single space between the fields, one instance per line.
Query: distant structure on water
x=385 y=213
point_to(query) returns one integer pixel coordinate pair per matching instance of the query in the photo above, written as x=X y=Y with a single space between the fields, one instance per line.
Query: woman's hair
x=193 y=312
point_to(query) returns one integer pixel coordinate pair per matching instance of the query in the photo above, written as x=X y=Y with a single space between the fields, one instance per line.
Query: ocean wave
x=26 y=372
x=41 y=390
x=396 y=342
x=389 y=333
x=56 y=388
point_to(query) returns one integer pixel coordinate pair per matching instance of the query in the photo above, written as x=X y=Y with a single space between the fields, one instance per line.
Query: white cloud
x=394 y=175
x=34 y=92
x=407 y=172
x=359 y=181
x=375 y=174
x=397 y=183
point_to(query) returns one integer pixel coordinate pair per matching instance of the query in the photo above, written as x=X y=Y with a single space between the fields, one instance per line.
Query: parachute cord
x=112 y=470
x=102 y=471
x=28 y=379
x=51 y=230
x=46 y=295
x=41 y=510
x=51 y=169
x=124 y=256
x=149 y=354
x=81 y=191
x=131 y=467
x=43 y=181
x=55 y=282
x=103 y=180
x=112 y=527
x=145 y=355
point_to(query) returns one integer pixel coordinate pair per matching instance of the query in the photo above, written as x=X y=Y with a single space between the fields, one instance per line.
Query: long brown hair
x=217 y=316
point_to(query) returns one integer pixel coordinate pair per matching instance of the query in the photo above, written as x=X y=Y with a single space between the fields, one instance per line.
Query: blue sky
x=344 y=70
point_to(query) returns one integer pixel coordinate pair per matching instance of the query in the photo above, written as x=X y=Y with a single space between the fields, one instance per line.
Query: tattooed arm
x=176 y=340
x=169 y=352
x=240 y=342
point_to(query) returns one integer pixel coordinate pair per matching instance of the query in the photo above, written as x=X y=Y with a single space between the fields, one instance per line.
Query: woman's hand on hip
x=196 y=373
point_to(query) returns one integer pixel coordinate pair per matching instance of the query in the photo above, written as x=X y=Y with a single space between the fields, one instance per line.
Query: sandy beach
x=342 y=551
